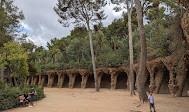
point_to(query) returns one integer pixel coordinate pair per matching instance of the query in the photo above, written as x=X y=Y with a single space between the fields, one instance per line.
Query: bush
x=39 y=90
x=2 y=84
x=10 y=96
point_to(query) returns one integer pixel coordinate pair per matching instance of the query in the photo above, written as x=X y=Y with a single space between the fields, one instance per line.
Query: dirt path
x=86 y=100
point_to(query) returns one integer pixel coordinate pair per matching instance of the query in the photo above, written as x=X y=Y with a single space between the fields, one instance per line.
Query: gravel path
x=87 y=100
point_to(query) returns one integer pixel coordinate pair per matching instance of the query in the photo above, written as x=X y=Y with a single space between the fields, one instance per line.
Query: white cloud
x=41 y=20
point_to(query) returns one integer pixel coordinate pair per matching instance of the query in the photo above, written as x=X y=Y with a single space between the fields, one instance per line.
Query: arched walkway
x=55 y=81
x=122 y=81
x=66 y=81
x=90 y=82
x=164 y=88
x=78 y=80
x=105 y=81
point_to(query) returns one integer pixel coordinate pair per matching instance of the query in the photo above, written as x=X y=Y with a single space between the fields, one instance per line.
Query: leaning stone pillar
x=152 y=80
x=43 y=80
x=113 y=81
x=39 y=82
x=28 y=80
x=32 y=80
x=35 y=80
x=181 y=78
x=172 y=86
x=85 y=74
x=126 y=70
x=136 y=82
x=158 y=80
x=72 y=77
x=84 y=81
x=99 y=79
x=61 y=77
x=50 y=79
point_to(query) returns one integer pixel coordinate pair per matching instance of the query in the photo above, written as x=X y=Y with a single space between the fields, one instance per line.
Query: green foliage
x=15 y=59
x=9 y=97
x=2 y=84
x=10 y=16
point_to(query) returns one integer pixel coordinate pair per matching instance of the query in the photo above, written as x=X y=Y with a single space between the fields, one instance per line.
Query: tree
x=143 y=55
x=53 y=49
x=83 y=12
x=14 y=60
x=10 y=16
x=129 y=7
x=9 y=20
x=131 y=70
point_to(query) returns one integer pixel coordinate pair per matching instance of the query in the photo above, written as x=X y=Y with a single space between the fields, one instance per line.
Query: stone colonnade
x=155 y=70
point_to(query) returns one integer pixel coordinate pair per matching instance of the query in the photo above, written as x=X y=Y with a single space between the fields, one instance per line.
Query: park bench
x=21 y=103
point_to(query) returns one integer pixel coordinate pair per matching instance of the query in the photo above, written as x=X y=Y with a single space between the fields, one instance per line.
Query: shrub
x=10 y=96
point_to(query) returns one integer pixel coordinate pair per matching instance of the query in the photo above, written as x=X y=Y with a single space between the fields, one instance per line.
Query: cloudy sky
x=41 y=20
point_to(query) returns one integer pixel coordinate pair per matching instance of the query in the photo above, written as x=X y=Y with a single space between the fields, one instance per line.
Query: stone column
x=126 y=70
x=136 y=82
x=72 y=77
x=32 y=80
x=152 y=80
x=39 y=82
x=84 y=81
x=35 y=80
x=28 y=80
x=43 y=80
x=181 y=78
x=158 y=80
x=113 y=81
x=99 y=77
x=172 y=86
x=50 y=79
x=61 y=77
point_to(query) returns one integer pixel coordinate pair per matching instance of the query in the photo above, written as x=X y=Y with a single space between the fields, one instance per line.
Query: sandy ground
x=87 y=100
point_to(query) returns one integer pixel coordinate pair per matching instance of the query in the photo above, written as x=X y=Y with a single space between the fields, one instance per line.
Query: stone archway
x=122 y=81
x=66 y=81
x=105 y=81
x=78 y=80
x=45 y=81
x=36 y=80
x=164 y=86
x=186 y=86
x=55 y=80
x=147 y=81
x=90 y=82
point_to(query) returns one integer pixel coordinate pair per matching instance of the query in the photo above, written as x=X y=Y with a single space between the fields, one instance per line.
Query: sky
x=41 y=22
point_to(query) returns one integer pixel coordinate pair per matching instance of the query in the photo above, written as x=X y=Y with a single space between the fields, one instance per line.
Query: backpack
x=35 y=93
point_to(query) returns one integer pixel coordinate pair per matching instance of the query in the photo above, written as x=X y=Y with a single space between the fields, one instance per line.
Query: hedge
x=9 y=96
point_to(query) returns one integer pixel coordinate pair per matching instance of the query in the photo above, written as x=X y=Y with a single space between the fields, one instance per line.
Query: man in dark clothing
x=26 y=98
x=31 y=96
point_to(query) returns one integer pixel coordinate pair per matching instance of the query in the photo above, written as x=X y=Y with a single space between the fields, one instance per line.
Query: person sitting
x=26 y=97
x=21 y=98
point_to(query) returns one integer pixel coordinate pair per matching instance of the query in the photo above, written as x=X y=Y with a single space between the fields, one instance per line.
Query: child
x=151 y=100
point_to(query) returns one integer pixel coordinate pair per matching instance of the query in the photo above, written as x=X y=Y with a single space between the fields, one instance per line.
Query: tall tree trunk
x=100 y=49
x=143 y=55
x=93 y=59
x=131 y=70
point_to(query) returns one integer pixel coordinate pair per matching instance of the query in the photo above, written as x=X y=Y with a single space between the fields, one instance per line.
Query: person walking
x=151 y=101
